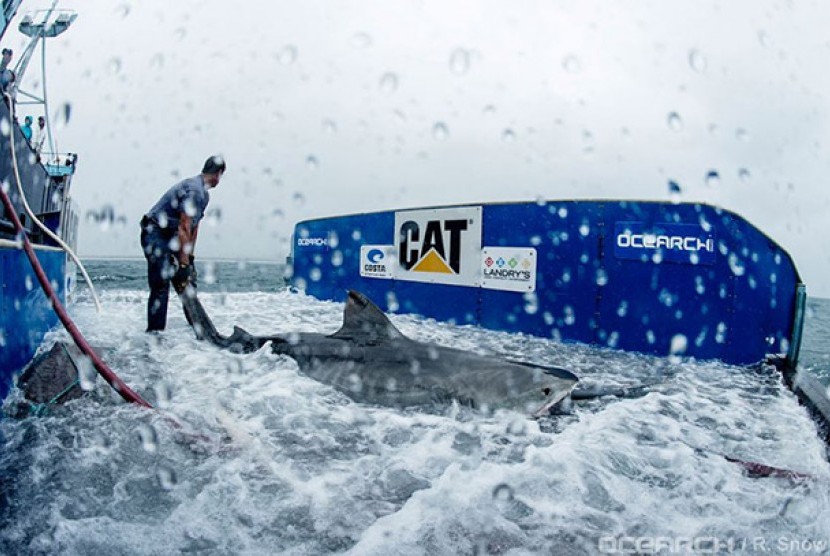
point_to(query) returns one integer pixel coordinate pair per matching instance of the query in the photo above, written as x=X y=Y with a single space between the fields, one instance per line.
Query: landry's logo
x=509 y=268
x=436 y=249
x=512 y=262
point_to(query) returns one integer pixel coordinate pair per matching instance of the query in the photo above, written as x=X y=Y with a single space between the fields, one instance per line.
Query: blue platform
x=657 y=278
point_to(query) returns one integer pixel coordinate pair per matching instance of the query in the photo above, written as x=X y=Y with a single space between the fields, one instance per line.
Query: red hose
x=103 y=369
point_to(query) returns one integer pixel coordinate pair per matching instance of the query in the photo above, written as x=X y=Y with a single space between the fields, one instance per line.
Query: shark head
x=364 y=323
x=550 y=386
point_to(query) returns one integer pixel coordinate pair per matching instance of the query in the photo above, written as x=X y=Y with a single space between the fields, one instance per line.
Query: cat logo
x=439 y=245
x=434 y=254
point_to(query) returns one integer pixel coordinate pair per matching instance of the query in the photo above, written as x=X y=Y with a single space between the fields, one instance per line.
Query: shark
x=373 y=362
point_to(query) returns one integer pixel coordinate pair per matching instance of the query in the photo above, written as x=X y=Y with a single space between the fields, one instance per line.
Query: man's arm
x=187 y=239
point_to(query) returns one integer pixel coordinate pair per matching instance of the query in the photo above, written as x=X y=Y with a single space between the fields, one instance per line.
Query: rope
x=38 y=409
x=40 y=224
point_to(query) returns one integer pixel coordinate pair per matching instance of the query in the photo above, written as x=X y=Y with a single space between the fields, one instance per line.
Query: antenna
x=39 y=26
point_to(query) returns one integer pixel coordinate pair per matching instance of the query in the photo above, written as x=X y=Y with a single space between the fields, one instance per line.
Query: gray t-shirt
x=189 y=196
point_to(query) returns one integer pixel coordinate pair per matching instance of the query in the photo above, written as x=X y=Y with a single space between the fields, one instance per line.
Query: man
x=168 y=236
x=7 y=76
x=26 y=128
x=40 y=135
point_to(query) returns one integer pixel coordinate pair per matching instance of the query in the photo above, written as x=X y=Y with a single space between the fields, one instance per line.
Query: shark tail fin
x=364 y=322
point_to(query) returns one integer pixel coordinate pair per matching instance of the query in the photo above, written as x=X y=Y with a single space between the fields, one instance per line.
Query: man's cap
x=214 y=165
x=7 y=51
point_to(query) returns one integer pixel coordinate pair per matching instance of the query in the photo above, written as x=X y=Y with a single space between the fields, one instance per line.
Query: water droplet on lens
x=123 y=10
x=361 y=40
x=167 y=478
x=602 y=277
x=298 y=199
x=213 y=217
x=508 y=135
x=712 y=178
x=311 y=162
x=388 y=83
x=114 y=65
x=440 y=131
x=744 y=175
x=164 y=393
x=329 y=126
x=460 y=61
x=503 y=493
x=675 y=121
x=157 y=61
x=622 y=310
x=736 y=265
x=697 y=61
x=315 y=274
x=679 y=343
x=571 y=64
x=210 y=273
x=5 y=127
x=189 y=207
x=87 y=375
x=288 y=55
x=149 y=438
x=675 y=192
x=392 y=304
x=531 y=303
x=741 y=134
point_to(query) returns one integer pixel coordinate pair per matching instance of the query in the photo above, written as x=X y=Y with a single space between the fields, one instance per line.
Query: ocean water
x=267 y=461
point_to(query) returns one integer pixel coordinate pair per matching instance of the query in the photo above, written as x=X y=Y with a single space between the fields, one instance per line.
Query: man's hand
x=182 y=278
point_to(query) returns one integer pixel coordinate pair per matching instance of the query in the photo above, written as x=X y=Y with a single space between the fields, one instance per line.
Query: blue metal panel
x=650 y=277
x=26 y=312
x=326 y=255
x=563 y=304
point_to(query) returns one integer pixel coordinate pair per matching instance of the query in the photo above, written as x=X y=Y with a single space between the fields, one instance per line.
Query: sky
x=323 y=108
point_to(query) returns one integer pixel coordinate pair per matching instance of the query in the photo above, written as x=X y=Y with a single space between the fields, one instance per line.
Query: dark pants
x=161 y=266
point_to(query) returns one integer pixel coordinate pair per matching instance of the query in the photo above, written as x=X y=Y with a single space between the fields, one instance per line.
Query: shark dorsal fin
x=365 y=323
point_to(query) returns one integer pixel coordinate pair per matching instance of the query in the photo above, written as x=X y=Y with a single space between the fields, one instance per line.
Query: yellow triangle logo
x=432 y=262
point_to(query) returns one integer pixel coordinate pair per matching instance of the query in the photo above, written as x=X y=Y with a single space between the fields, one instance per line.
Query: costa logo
x=375 y=256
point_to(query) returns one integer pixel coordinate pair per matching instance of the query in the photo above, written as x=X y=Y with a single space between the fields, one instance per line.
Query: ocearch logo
x=312 y=241
x=673 y=242
x=655 y=241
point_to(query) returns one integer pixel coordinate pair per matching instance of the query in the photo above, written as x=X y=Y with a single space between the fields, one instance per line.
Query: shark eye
x=546 y=391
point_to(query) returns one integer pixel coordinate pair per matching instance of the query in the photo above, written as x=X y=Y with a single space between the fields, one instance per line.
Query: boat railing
x=59 y=164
